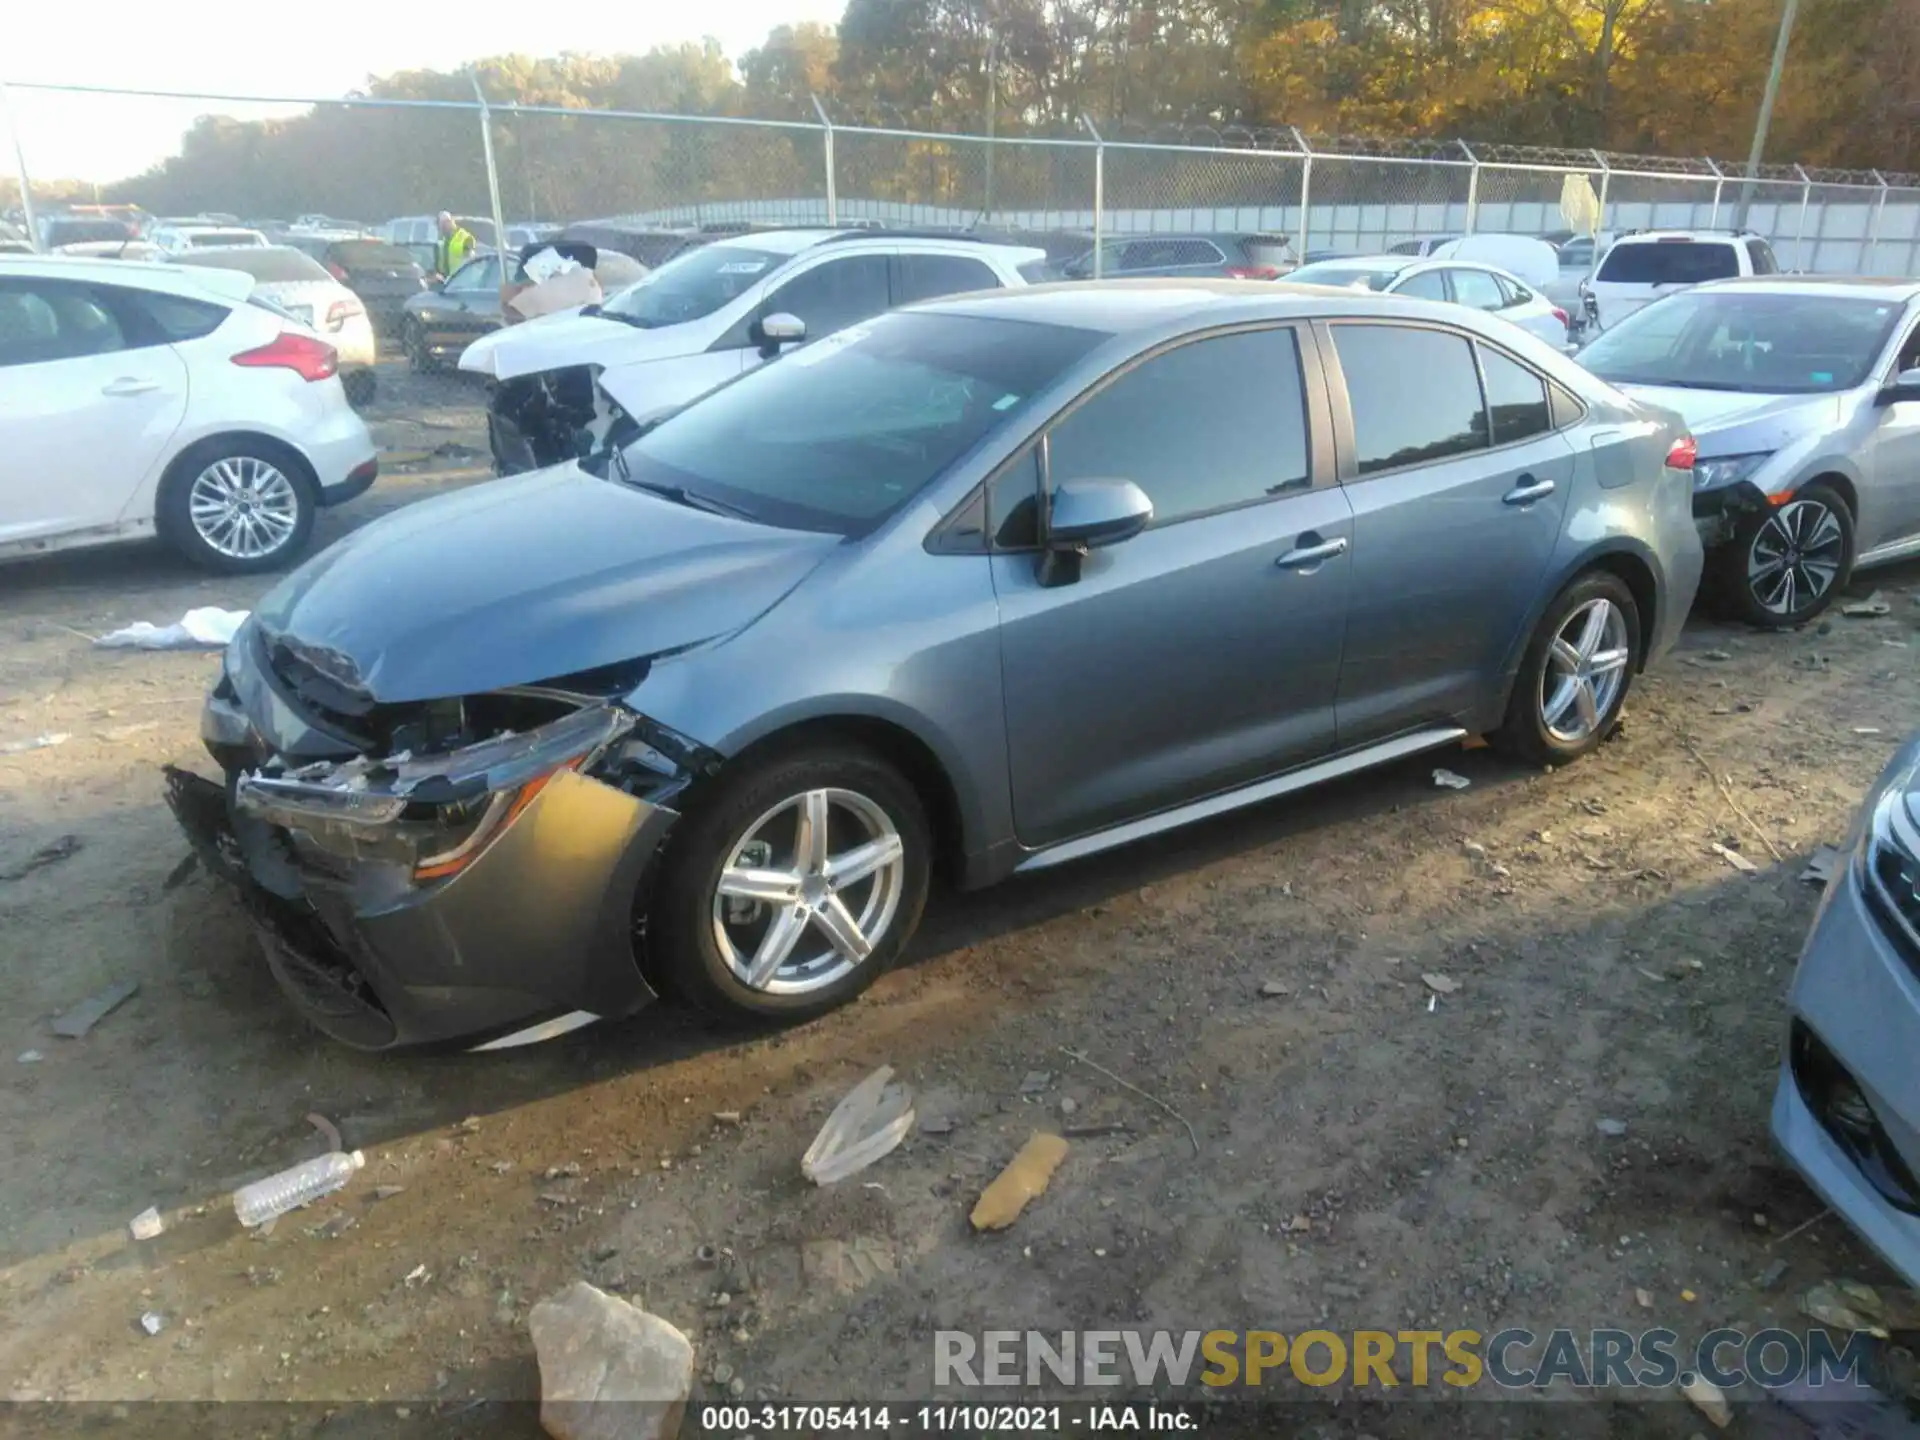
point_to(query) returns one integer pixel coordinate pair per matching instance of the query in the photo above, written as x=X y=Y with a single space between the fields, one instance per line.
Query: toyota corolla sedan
x=986 y=585
x=1804 y=394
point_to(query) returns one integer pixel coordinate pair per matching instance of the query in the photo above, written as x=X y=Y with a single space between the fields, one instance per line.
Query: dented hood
x=529 y=579
x=573 y=338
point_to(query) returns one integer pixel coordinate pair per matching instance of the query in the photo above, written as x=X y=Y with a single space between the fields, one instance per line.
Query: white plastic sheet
x=208 y=627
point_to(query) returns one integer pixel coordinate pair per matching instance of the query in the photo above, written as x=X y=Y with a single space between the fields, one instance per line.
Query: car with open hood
x=1804 y=395
x=985 y=585
x=564 y=384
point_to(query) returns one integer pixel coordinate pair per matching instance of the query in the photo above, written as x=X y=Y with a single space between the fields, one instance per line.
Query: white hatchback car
x=155 y=399
x=705 y=317
x=1479 y=287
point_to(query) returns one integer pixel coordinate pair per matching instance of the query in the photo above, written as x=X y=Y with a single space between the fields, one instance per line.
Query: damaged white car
x=568 y=384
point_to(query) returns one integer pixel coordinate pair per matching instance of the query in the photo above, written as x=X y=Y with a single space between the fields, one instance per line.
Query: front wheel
x=1574 y=678
x=793 y=887
x=419 y=357
x=1787 y=563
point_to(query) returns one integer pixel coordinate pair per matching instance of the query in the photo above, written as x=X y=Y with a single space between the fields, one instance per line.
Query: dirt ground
x=1369 y=1154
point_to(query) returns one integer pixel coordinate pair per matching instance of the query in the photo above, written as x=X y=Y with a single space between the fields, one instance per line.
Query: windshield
x=1738 y=339
x=367 y=254
x=692 y=285
x=269 y=265
x=1357 y=277
x=839 y=434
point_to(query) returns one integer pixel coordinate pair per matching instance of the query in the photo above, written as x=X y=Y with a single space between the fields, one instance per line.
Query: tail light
x=1252 y=272
x=1561 y=316
x=310 y=359
x=335 y=271
x=1684 y=452
x=342 y=311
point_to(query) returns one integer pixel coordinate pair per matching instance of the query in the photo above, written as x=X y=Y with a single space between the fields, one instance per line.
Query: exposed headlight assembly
x=1890 y=864
x=1727 y=469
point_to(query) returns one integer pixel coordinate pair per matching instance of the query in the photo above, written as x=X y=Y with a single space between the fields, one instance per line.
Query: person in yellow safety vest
x=456 y=245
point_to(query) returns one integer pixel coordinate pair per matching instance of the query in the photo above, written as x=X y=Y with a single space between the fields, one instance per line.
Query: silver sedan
x=1457 y=282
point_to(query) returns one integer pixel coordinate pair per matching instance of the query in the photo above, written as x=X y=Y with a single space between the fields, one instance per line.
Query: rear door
x=472 y=294
x=922 y=275
x=1459 y=488
x=93 y=395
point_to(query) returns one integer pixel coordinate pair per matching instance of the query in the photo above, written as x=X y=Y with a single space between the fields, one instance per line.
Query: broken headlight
x=1890 y=860
x=432 y=812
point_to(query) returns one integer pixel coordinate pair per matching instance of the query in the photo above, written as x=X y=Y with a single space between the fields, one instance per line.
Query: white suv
x=143 y=399
x=565 y=381
x=1639 y=268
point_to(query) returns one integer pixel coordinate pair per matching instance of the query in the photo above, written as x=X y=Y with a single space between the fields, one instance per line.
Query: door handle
x=127 y=385
x=1528 y=491
x=1305 y=556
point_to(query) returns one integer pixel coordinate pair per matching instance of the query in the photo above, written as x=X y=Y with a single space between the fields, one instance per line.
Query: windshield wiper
x=679 y=494
x=625 y=319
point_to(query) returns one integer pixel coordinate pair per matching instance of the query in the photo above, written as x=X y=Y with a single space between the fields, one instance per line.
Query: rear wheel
x=793 y=887
x=419 y=358
x=1574 y=677
x=237 y=505
x=360 y=386
x=1787 y=563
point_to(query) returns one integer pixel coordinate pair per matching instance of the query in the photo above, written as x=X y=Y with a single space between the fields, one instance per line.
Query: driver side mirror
x=1905 y=386
x=1089 y=515
x=778 y=329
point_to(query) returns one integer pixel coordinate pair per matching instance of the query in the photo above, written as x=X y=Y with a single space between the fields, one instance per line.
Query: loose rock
x=1440 y=984
x=1614 y=1128
x=147 y=1225
x=594 y=1347
x=1709 y=1400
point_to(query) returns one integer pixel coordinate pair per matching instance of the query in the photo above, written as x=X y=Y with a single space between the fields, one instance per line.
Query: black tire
x=419 y=358
x=173 y=516
x=360 y=385
x=684 y=950
x=1812 y=533
x=1526 y=732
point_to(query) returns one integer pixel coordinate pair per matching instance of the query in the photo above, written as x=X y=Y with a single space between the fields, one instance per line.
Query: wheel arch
x=1622 y=557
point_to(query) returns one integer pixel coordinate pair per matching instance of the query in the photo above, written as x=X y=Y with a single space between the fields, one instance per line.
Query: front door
x=1890 y=505
x=88 y=402
x=1458 y=496
x=1203 y=653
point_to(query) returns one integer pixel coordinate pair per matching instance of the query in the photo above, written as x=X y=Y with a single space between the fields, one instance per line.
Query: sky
x=244 y=47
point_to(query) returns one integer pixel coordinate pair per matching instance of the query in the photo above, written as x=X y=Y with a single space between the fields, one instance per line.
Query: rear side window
x=1159 y=254
x=174 y=317
x=1516 y=398
x=1516 y=293
x=46 y=320
x=1206 y=426
x=1760 y=256
x=1477 y=289
x=1427 y=285
x=1669 y=262
x=923 y=277
x=1415 y=395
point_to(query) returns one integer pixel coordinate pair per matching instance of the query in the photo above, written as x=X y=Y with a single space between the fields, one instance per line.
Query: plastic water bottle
x=306 y=1182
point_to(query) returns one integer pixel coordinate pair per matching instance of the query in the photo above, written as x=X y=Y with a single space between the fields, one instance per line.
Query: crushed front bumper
x=540 y=924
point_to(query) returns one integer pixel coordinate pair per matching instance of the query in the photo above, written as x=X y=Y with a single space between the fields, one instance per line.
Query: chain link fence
x=370 y=159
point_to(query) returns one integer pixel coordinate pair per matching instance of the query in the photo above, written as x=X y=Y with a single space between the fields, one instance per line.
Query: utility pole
x=993 y=46
x=1771 y=94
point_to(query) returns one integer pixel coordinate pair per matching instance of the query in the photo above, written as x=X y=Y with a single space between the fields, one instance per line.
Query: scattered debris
x=329 y=1131
x=147 y=1225
x=868 y=1123
x=1851 y=1305
x=1094 y=1132
x=1726 y=793
x=206 y=627
x=1870 y=608
x=416 y=1276
x=1192 y=1138
x=468 y=1126
x=387 y=1192
x=1643 y=1298
x=177 y=876
x=153 y=1322
x=1448 y=780
x=88 y=1013
x=937 y=1125
x=1276 y=987
x=1801 y=1228
x=1438 y=983
x=1709 y=1400
x=1821 y=865
x=1716 y=655
x=1025 y=1178
x=51 y=853
x=1614 y=1128
x=1068 y=1105
x=1771 y=1277
x=726 y=1117
x=1866 y=729
x=36 y=742
x=1036 y=1081
x=847 y=1266
x=706 y=1254
x=297 y=1185
x=1734 y=858
x=29 y=1057
x=568 y=1171
x=594 y=1347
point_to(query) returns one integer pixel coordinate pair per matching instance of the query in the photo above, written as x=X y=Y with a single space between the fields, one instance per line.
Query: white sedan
x=1459 y=282
x=300 y=285
x=156 y=399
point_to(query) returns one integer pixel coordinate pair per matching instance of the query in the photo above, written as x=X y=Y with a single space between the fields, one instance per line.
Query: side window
x=1478 y=289
x=1513 y=290
x=1760 y=256
x=1415 y=395
x=43 y=320
x=175 y=317
x=1202 y=427
x=835 y=295
x=1427 y=285
x=922 y=277
x=1909 y=356
x=1516 y=398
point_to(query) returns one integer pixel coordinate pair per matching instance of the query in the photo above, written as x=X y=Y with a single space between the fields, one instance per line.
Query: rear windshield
x=839 y=434
x=1267 y=250
x=1349 y=276
x=366 y=254
x=1738 y=339
x=73 y=232
x=693 y=285
x=270 y=265
x=1670 y=262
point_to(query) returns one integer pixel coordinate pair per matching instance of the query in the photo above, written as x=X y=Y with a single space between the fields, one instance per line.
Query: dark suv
x=1227 y=256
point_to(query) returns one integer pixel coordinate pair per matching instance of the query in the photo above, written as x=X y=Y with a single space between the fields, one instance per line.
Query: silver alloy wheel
x=243 y=507
x=791 y=913
x=1585 y=670
x=1795 y=557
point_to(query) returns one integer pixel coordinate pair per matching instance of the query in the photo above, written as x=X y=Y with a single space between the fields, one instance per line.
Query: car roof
x=190 y=280
x=1377 y=262
x=1867 y=287
x=1730 y=237
x=1118 y=307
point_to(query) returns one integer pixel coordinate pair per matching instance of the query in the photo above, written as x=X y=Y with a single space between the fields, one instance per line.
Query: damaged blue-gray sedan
x=983 y=586
x=1847 y=1110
